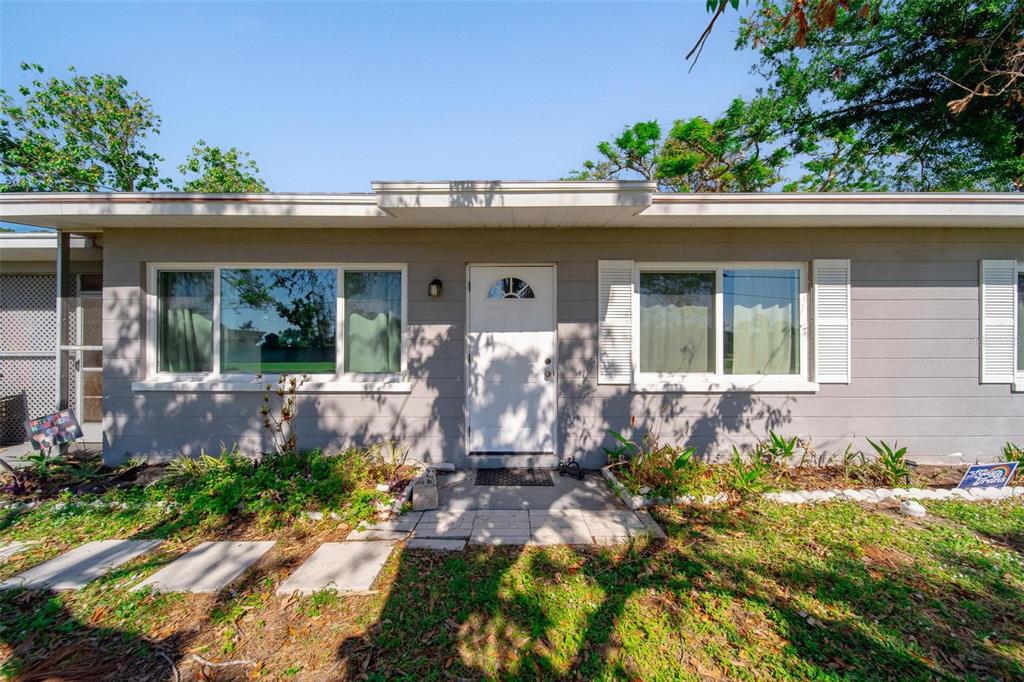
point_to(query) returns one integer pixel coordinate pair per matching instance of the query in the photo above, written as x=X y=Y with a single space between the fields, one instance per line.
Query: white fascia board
x=893 y=209
x=407 y=195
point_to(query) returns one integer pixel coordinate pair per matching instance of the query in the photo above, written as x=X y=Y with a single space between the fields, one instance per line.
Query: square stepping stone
x=447 y=517
x=560 y=536
x=497 y=538
x=611 y=539
x=209 y=567
x=557 y=518
x=437 y=545
x=13 y=548
x=342 y=566
x=372 y=534
x=77 y=568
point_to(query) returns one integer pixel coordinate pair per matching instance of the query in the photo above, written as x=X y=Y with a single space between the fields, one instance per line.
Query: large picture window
x=278 y=321
x=704 y=325
x=234 y=322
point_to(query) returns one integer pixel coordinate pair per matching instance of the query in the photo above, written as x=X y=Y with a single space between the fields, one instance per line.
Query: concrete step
x=509 y=460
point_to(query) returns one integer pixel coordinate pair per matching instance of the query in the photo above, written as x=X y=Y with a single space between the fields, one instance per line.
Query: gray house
x=505 y=323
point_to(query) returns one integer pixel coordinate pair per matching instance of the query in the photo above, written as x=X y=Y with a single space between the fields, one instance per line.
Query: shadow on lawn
x=48 y=641
x=687 y=607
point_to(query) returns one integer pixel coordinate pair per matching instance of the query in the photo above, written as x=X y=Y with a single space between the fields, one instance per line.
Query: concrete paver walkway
x=209 y=567
x=80 y=566
x=510 y=527
x=344 y=566
x=458 y=491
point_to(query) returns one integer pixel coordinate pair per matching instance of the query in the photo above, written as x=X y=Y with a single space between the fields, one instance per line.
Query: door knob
x=547 y=374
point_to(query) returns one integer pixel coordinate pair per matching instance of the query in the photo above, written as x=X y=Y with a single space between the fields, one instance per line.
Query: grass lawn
x=833 y=591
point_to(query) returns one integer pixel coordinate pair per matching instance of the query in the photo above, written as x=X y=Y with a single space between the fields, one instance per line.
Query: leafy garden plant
x=746 y=476
x=891 y=462
x=649 y=467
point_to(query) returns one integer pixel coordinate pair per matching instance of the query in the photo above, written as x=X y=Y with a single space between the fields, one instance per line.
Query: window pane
x=1020 y=321
x=762 y=321
x=677 y=322
x=185 y=321
x=278 y=321
x=373 y=322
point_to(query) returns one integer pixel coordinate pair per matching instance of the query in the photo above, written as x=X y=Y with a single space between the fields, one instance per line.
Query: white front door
x=510 y=377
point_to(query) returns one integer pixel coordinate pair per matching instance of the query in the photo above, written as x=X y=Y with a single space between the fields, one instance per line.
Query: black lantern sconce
x=434 y=288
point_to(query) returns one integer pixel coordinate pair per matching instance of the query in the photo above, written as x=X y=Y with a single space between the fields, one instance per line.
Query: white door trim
x=465 y=345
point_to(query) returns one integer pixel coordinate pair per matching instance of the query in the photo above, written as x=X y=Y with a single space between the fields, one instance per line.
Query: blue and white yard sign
x=988 y=475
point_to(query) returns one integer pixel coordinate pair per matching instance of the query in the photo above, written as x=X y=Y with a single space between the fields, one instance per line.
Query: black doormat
x=514 y=477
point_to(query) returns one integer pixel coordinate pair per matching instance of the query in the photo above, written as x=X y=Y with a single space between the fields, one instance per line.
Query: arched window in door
x=510 y=287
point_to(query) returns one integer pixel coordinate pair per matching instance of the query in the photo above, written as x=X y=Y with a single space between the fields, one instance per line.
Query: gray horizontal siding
x=915 y=342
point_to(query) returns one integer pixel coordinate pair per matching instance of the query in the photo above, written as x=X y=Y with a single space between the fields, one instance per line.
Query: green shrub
x=891 y=463
x=776 y=451
x=1013 y=453
x=660 y=470
x=746 y=476
x=287 y=482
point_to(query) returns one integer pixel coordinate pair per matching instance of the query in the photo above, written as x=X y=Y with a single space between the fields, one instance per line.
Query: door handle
x=547 y=375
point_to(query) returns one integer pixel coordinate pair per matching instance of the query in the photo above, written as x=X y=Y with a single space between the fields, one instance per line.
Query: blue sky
x=329 y=96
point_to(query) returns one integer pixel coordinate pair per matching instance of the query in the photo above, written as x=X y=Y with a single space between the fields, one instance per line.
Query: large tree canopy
x=88 y=133
x=907 y=80
x=85 y=133
x=923 y=95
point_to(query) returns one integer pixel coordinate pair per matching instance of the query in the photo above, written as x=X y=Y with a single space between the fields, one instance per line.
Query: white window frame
x=718 y=381
x=1018 y=373
x=339 y=382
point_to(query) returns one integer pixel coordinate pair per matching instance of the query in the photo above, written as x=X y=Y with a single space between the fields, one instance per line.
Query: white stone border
x=875 y=495
x=868 y=495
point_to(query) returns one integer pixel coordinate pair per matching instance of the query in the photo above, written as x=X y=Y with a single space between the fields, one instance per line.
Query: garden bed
x=822 y=492
x=646 y=472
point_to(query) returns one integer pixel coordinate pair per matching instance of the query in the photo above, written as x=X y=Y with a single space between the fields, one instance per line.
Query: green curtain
x=186 y=322
x=186 y=342
x=373 y=322
x=373 y=345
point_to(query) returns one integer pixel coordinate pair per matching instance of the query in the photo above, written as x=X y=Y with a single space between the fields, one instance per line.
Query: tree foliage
x=212 y=169
x=729 y=154
x=83 y=133
x=898 y=79
x=89 y=133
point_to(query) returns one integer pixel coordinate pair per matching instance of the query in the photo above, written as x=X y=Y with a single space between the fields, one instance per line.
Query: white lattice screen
x=28 y=329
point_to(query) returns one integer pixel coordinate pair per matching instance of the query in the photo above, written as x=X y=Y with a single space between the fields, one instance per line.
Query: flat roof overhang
x=509 y=204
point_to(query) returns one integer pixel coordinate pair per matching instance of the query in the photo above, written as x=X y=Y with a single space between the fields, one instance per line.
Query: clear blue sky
x=328 y=96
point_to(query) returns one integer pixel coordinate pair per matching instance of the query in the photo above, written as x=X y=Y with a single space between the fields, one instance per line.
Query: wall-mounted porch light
x=434 y=288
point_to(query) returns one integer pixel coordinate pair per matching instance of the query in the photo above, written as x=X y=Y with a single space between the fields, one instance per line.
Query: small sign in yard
x=988 y=475
x=59 y=428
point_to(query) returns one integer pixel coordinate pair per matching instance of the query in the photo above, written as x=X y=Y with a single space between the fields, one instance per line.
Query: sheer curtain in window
x=762 y=321
x=676 y=322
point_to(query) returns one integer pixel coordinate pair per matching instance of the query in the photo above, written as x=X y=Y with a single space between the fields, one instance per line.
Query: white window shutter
x=615 y=321
x=832 y=321
x=997 y=323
